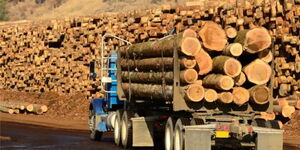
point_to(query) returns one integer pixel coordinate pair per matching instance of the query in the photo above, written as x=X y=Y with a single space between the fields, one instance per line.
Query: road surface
x=17 y=136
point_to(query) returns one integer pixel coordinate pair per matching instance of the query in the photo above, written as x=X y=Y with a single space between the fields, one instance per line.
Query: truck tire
x=94 y=133
x=117 y=127
x=178 y=133
x=169 y=134
x=126 y=129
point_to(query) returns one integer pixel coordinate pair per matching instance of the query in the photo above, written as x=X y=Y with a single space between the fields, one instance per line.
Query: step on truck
x=158 y=114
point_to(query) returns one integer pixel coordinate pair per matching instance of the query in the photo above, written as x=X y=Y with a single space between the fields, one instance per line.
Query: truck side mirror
x=93 y=75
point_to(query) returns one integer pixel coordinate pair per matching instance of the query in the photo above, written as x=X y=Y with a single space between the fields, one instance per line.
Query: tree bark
x=227 y=65
x=258 y=72
x=240 y=95
x=204 y=62
x=213 y=36
x=210 y=95
x=147 y=64
x=187 y=45
x=186 y=76
x=233 y=49
x=148 y=91
x=259 y=94
x=218 y=81
x=254 y=40
x=225 y=97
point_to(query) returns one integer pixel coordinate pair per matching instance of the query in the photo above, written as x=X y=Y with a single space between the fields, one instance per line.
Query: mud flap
x=268 y=139
x=197 y=138
x=142 y=132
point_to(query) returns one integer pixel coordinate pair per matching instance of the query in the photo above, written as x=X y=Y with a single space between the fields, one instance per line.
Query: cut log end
x=240 y=95
x=240 y=79
x=226 y=97
x=266 y=56
x=226 y=83
x=190 y=46
x=258 y=72
x=260 y=94
x=195 y=93
x=234 y=49
x=287 y=111
x=188 y=63
x=257 y=40
x=189 y=76
x=210 y=95
x=230 y=32
x=204 y=62
x=232 y=67
x=213 y=36
x=189 y=33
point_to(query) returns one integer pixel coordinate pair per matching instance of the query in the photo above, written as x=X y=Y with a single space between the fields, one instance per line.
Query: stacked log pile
x=14 y=107
x=54 y=56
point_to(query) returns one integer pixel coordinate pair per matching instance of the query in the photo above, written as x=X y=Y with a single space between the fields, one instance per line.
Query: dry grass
x=65 y=8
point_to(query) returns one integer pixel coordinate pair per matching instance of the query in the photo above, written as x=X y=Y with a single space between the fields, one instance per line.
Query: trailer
x=172 y=122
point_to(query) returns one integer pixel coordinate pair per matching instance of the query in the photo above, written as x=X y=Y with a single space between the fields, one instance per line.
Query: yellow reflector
x=222 y=134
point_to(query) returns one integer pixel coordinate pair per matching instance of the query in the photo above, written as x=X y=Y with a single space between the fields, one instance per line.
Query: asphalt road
x=23 y=136
x=16 y=136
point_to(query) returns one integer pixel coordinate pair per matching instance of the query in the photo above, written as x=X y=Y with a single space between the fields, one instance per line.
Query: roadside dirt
x=72 y=107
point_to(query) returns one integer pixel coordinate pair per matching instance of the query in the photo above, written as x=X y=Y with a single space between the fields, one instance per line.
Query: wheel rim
x=177 y=144
x=124 y=131
x=117 y=130
x=168 y=138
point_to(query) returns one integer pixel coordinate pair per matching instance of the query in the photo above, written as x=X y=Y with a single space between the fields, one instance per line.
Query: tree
x=3 y=10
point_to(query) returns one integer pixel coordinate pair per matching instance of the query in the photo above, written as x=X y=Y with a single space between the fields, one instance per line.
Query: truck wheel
x=94 y=135
x=126 y=129
x=178 y=135
x=169 y=133
x=117 y=127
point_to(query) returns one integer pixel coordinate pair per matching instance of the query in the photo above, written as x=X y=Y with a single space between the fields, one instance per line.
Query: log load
x=254 y=40
x=6 y=110
x=258 y=72
x=147 y=64
x=213 y=36
x=218 y=81
x=227 y=65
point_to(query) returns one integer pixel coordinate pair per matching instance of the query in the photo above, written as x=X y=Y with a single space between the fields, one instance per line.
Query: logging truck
x=170 y=94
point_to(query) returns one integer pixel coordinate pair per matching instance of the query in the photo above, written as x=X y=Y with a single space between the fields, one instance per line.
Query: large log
x=148 y=91
x=258 y=72
x=254 y=40
x=164 y=47
x=227 y=65
x=213 y=36
x=147 y=64
x=186 y=76
x=259 y=94
x=204 y=62
x=218 y=81
x=240 y=95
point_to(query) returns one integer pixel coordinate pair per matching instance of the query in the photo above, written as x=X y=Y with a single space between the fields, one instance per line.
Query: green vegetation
x=3 y=10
